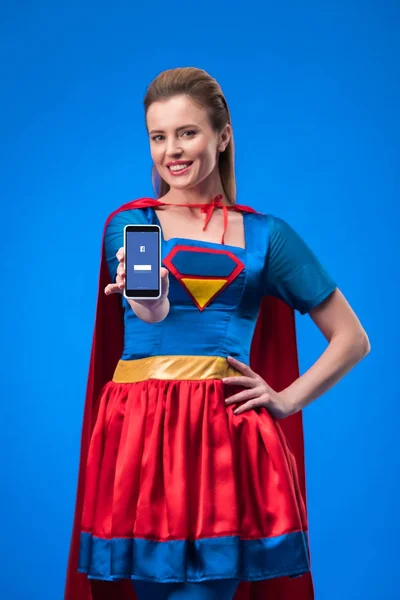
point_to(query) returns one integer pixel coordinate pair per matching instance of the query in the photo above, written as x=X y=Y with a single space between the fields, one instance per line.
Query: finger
x=241 y=397
x=116 y=287
x=121 y=254
x=245 y=369
x=164 y=281
x=121 y=270
x=120 y=280
x=113 y=288
x=248 y=406
x=240 y=380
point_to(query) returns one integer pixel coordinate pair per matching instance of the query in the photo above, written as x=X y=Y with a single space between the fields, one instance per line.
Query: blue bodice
x=216 y=289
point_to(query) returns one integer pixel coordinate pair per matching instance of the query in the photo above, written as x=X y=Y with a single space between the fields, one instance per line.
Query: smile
x=180 y=169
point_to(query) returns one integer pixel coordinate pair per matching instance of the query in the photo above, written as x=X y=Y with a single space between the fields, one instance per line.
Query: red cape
x=273 y=356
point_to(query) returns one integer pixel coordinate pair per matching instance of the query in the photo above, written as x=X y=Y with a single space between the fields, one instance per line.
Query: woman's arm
x=348 y=344
x=295 y=275
x=149 y=311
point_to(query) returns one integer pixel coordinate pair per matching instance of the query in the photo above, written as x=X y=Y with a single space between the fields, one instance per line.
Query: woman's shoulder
x=272 y=222
x=134 y=211
x=277 y=230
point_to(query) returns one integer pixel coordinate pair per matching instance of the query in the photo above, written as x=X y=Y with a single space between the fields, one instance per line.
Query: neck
x=203 y=193
x=185 y=197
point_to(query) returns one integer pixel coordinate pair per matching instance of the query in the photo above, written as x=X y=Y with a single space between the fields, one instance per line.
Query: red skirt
x=179 y=488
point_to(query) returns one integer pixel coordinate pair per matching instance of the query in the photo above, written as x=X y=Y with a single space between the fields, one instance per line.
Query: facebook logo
x=142 y=248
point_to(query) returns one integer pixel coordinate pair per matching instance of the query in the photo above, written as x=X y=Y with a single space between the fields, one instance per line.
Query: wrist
x=160 y=310
x=151 y=311
x=291 y=400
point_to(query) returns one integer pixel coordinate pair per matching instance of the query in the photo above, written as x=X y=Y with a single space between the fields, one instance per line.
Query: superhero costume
x=197 y=494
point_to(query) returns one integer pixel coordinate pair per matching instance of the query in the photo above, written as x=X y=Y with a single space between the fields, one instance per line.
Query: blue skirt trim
x=194 y=560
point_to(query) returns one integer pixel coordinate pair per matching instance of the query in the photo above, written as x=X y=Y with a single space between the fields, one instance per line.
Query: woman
x=191 y=478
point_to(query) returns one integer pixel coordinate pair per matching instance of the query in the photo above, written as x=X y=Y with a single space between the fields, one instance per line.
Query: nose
x=173 y=148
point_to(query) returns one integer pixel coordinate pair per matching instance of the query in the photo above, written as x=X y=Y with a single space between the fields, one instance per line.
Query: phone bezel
x=143 y=294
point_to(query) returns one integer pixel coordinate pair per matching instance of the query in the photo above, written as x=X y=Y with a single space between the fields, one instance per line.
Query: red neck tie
x=208 y=208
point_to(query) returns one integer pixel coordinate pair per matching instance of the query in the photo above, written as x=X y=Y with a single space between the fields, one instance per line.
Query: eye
x=156 y=137
x=190 y=132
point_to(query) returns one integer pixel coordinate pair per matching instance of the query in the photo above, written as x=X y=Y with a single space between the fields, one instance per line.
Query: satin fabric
x=173 y=367
x=174 y=476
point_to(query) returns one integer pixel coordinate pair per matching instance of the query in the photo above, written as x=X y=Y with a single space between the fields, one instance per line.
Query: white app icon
x=142 y=248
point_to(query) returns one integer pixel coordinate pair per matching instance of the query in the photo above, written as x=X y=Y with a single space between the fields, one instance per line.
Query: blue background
x=313 y=89
x=148 y=280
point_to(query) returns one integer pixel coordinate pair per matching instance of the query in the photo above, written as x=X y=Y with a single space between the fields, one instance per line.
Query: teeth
x=179 y=167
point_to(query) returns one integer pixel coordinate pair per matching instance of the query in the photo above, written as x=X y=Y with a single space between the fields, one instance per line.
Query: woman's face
x=183 y=145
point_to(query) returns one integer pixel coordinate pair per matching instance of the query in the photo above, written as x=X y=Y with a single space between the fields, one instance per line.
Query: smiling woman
x=188 y=119
x=185 y=152
x=192 y=480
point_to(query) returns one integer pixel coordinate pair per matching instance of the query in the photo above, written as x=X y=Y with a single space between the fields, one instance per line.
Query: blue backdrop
x=313 y=89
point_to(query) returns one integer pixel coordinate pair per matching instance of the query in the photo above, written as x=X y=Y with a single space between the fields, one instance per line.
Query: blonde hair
x=205 y=91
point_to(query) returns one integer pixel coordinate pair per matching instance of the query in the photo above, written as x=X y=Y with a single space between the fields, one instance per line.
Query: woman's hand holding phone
x=150 y=311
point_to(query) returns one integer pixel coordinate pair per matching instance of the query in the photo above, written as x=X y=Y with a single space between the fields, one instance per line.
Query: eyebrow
x=178 y=128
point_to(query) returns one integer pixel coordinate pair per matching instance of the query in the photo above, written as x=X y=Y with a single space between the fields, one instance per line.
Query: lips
x=179 y=167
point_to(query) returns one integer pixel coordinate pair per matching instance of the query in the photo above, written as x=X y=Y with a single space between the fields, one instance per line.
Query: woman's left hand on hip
x=258 y=393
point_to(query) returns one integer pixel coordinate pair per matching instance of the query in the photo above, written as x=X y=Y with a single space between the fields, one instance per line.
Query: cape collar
x=209 y=207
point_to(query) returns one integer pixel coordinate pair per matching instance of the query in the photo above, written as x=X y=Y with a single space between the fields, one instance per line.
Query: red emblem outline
x=168 y=264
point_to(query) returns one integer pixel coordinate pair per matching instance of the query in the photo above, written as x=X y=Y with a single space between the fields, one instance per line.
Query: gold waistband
x=173 y=367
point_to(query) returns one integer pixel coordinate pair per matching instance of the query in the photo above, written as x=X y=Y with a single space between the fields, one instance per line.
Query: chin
x=179 y=186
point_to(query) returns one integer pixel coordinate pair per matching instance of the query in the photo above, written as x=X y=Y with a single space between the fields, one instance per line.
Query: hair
x=205 y=91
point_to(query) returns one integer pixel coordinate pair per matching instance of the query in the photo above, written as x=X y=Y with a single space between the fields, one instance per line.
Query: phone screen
x=142 y=261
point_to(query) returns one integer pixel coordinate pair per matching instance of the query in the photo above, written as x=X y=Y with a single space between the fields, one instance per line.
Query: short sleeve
x=114 y=235
x=293 y=272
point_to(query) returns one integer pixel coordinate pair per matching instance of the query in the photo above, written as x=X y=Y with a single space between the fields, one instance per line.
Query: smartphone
x=142 y=245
